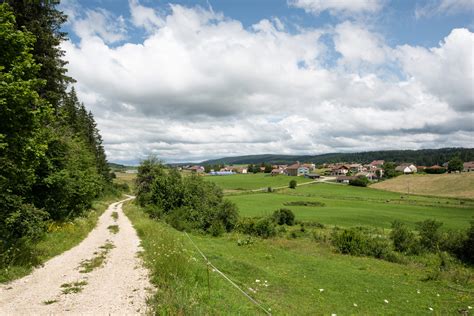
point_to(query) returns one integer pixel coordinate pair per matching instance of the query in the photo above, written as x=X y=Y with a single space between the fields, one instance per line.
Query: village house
x=196 y=169
x=277 y=171
x=296 y=169
x=340 y=170
x=377 y=164
x=356 y=167
x=310 y=166
x=468 y=166
x=406 y=168
x=372 y=176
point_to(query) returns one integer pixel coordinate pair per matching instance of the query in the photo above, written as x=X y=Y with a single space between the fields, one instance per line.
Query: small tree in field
x=292 y=184
x=455 y=164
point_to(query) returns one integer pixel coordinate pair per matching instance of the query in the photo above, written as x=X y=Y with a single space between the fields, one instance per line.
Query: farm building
x=406 y=168
x=297 y=170
x=356 y=167
x=340 y=170
x=468 y=166
x=197 y=169
x=312 y=176
x=276 y=172
x=369 y=175
x=344 y=179
x=377 y=163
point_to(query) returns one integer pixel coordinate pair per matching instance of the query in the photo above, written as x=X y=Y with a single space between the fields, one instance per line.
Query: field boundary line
x=228 y=279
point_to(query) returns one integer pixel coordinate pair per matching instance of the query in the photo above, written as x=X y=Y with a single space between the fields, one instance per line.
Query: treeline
x=52 y=162
x=424 y=157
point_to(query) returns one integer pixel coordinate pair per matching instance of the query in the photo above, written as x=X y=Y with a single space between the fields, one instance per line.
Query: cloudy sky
x=192 y=80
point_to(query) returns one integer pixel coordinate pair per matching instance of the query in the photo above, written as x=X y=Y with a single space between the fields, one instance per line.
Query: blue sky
x=397 y=20
x=192 y=80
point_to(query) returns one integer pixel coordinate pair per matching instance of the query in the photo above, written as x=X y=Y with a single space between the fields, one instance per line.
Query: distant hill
x=425 y=157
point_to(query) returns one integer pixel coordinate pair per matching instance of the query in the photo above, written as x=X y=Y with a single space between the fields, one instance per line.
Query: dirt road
x=101 y=275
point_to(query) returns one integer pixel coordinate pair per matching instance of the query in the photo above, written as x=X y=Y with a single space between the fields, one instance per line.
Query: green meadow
x=298 y=272
x=253 y=181
x=287 y=276
x=354 y=206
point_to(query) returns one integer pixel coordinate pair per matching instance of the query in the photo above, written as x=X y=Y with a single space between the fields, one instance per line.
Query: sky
x=194 y=80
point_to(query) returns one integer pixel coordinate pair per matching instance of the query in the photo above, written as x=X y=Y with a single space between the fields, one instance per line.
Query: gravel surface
x=120 y=285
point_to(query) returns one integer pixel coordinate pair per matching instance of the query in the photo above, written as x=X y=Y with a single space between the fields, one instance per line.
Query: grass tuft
x=89 y=265
x=73 y=287
x=115 y=216
x=114 y=229
x=49 y=302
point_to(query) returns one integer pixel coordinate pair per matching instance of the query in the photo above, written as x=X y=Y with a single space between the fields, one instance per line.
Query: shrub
x=466 y=251
x=246 y=225
x=284 y=216
x=22 y=228
x=402 y=237
x=187 y=202
x=217 y=229
x=349 y=241
x=356 y=242
x=292 y=184
x=430 y=236
x=228 y=215
x=378 y=247
x=265 y=228
x=435 y=170
x=359 y=182
x=179 y=219
x=319 y=236
x=154 y=212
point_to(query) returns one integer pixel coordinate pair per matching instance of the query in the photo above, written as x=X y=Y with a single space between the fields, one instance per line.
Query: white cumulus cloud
x=201 y=85
x=336 y=7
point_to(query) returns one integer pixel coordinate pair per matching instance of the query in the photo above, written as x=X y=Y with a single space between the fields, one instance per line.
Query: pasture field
x=354 y=206
x=123 y=177
x=242 y=182
x=452 y=185
x=288 y=276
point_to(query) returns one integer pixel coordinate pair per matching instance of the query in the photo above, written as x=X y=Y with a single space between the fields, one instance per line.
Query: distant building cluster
x=343 y=172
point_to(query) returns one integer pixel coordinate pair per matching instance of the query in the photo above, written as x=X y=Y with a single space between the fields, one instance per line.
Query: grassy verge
x=288 y=276
x=60 y=237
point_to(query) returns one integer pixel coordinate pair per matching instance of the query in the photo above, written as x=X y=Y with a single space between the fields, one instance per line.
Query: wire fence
x=209 y=263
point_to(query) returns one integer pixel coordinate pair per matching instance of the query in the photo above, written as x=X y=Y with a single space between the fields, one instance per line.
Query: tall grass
x=176 y=272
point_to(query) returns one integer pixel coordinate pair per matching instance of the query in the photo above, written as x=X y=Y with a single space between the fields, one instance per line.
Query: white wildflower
x=430 y=308
x=257 y=280
x=469 y=307
x=355 y=305
x=386 y=301
x=321 y=290
x=333 y=314
x=437 y=295
x=418 y=291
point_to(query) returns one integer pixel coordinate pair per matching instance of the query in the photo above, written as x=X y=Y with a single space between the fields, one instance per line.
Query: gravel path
x=112 y=281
